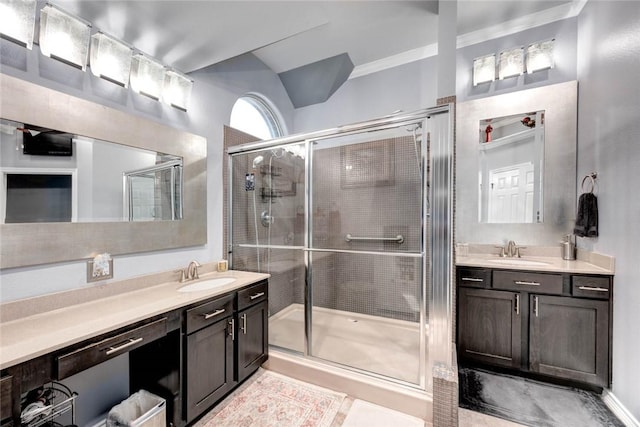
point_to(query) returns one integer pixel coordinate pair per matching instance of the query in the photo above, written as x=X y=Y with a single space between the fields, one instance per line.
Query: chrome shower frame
x=437 y=228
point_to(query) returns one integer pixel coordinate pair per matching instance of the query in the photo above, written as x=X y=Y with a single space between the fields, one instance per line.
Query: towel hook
x=592 y=179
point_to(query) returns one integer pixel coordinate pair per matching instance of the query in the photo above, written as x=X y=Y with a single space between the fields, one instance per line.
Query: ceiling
x=190 y=35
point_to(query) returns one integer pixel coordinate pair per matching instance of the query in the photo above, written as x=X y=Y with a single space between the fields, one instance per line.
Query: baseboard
x=619 y=409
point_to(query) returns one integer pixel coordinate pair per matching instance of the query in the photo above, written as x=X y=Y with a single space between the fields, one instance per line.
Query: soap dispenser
x=568 y=248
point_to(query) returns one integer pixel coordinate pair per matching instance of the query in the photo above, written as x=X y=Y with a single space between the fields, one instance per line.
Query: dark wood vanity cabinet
x=553 y=324
x=253 y=329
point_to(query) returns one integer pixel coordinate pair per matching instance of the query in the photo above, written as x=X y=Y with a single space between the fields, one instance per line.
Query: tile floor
x=359 y=413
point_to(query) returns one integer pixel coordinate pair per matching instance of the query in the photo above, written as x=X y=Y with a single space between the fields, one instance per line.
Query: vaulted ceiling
x=190 y=35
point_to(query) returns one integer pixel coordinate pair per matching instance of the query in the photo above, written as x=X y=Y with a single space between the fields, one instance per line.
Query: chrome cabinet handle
x=535 y=306
x=517 y=304
x=132 y=341
x=243 y=328
x=232 y=323
x=472 y=279
x=258 y=295
x=591 y=288
x=215 y=313
x=520 y=282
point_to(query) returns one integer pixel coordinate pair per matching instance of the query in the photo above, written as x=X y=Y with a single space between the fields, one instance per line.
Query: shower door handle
x=397 y=239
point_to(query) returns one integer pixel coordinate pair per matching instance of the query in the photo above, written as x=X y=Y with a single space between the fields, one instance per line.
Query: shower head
x=257 y=160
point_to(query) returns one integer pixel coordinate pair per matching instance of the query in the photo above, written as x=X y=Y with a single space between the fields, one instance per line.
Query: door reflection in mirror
x=511 y=168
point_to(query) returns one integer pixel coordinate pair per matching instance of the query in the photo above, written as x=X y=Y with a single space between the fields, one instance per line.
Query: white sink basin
x=206 y=285
x=518 y=262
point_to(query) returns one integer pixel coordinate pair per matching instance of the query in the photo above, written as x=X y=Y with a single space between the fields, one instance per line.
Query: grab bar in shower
x=398 y=239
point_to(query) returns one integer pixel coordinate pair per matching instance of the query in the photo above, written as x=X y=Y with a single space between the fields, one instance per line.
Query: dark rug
x=531 y=402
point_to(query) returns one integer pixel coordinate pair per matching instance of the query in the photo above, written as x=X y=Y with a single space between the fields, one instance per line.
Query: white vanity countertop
x=25 y=338
x=583 y=265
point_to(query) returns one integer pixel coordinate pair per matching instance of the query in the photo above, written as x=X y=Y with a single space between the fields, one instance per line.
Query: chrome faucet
x=510 y=250
x=192 y=270
x=189 y=273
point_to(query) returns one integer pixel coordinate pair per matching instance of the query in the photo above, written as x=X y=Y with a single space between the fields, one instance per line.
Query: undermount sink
x=206 y=285
x=518 y=262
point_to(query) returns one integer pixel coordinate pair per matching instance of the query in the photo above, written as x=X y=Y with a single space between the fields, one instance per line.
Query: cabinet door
x=569 y=338
x=252 y=339
x=209 y=366
x=489 y=326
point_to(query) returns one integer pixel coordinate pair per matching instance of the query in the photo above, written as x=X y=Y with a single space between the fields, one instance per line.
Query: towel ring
x=592 y=181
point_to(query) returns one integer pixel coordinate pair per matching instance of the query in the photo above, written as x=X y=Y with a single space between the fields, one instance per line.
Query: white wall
x=215 y=90
x=408 y=88
x=608 y=143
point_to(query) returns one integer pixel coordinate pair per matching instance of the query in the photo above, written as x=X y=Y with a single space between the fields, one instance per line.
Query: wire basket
x=43 y=405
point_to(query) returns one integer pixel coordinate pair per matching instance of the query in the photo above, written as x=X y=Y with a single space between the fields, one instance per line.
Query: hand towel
x=587 y=219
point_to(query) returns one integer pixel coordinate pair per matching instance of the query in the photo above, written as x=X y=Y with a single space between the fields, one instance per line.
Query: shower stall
x=354 y=226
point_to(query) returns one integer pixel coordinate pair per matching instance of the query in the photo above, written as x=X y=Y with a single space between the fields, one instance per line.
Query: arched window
x=253 y=114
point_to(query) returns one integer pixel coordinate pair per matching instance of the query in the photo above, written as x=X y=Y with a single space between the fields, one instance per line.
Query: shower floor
x=376 y=344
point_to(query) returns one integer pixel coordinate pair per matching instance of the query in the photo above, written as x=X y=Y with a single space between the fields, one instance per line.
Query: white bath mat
x=365 y=414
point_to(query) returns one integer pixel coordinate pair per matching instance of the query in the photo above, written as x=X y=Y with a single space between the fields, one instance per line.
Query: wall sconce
x=147 y=76
x=511 y=63
x=110 y=59
x=540 y=56
x=484 y=69
x=177 y=89
x=17 y=21
x=64 y=37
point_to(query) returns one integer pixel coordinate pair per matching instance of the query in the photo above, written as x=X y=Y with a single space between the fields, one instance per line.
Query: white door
x=511 y=194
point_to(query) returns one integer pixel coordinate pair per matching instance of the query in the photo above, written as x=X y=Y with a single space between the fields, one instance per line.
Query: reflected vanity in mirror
x=53 y=176
x=516 y=166
x=510 y=168
x=152 y=198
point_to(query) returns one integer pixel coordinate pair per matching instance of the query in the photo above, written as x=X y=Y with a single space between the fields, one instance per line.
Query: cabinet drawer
x=6 y=396
x=209 y=313
x=91 y=355
x=475 y=277
x=528 y=282
x=591 y=287
x=252 y=295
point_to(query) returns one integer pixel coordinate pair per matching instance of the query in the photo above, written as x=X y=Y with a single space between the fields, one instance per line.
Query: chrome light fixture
x=110 y=59
x=540 y=56
x=17 y=21
x=147 y=76
x=511 y=63
x=177 y=89
x=64 y=37
x=484 y=69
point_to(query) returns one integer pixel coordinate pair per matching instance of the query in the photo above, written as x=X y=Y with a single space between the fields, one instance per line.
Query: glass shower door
x=366 y=252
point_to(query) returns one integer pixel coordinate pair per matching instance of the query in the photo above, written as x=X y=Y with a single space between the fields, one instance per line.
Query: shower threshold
x=383 y=346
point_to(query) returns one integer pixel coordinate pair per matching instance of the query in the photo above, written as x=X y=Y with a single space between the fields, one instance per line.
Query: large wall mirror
x=78 y=178
x=516 y=166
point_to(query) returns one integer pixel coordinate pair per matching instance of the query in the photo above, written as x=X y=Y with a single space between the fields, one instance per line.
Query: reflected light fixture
x=511 y=63
x=17 y=21
x=64 y=37
x=540 y=56
x=177 y=89
x=110 y=59
x=484 y=69
x=147 y=76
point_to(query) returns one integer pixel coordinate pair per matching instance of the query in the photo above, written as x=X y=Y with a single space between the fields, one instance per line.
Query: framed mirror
x=177 y=219
x=532 y=168
x=510 y=169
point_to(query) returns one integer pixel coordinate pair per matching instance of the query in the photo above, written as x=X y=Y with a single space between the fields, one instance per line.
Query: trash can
x=140 y=409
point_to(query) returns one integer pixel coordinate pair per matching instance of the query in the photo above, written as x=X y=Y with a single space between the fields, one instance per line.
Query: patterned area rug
x=270 y=399
x=531 y=402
